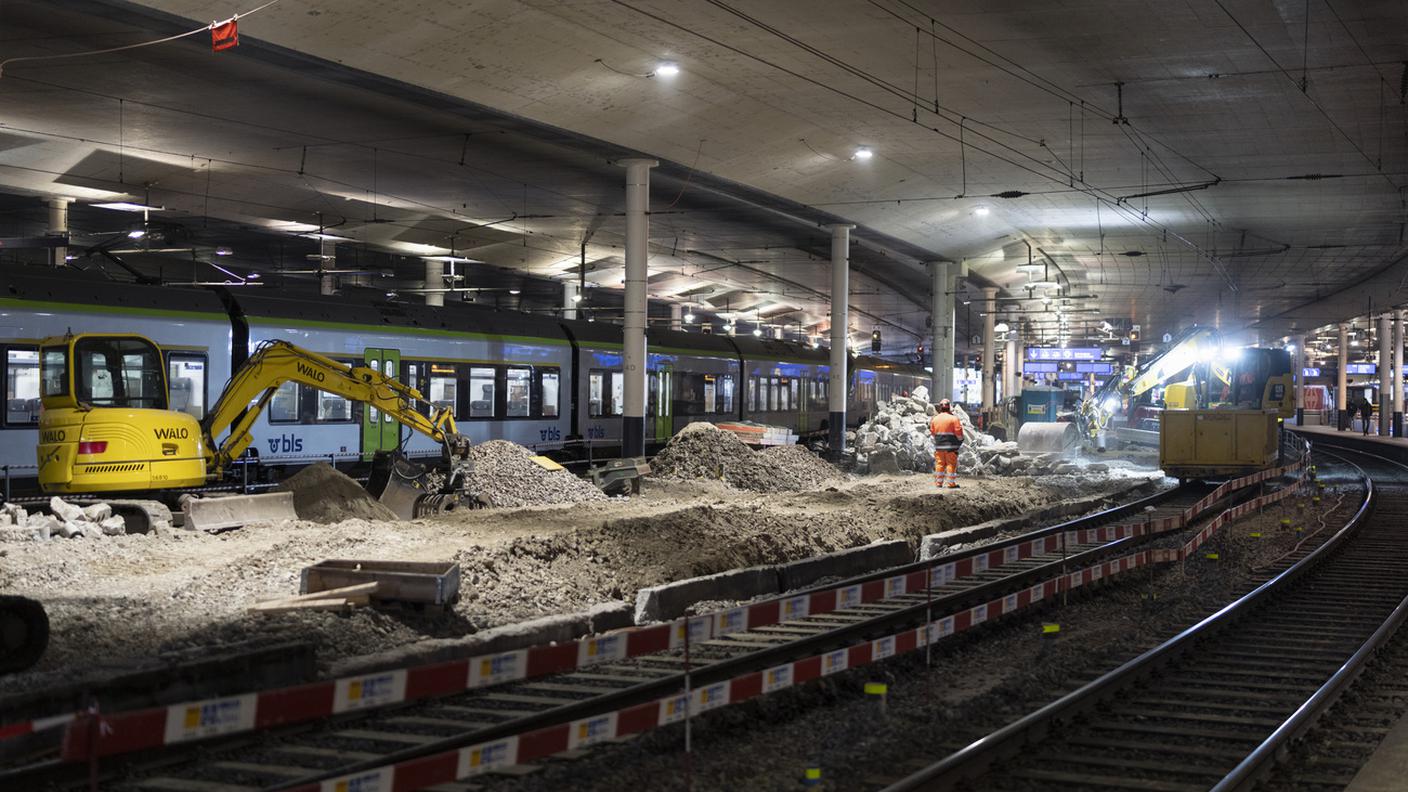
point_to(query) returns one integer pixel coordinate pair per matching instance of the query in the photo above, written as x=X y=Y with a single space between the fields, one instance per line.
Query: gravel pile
x=703 y=451
x=323 y=494
x=506 y=475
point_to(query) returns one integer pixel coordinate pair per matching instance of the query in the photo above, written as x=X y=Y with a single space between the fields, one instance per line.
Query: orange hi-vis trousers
x=945 y=468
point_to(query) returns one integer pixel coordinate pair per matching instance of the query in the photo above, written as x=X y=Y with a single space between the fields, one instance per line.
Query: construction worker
x=948 y=438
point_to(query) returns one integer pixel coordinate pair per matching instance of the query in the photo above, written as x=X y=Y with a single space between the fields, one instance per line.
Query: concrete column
x=1385 y=375
x=989 y=350
x=941 y=349
x=435 y=279
x=1398 y=373
x=569 y=300
x=634 y=360
x=1013 y=364
x=1341 y=381
x=1298 y=371
x=327 y=252
x=676 y=317
x=58 y=224
x=840 y=334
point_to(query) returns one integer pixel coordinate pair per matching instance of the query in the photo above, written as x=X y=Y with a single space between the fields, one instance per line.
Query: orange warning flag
x=224 y=36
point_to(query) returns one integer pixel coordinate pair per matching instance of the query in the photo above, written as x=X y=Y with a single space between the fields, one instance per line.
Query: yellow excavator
x=106 y=426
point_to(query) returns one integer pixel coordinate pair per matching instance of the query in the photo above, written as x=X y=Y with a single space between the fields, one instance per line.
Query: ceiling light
x=863 y=153
x=224 y=251
x=70 y=257
x=757 y=331
x=327 y=237
x=254 y=276
x=513 y=291
x=136 y=234
x=453 y=259
x=127 y=206
x=689 y=318
x=576 y=298
x=982 y=211
x=1001 y=327
x=667 y=69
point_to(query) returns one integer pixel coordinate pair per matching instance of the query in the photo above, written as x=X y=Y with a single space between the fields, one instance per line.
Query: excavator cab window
x=119 y=372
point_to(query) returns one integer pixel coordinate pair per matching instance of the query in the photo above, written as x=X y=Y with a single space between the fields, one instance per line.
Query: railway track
x=1213 y=707
x=309 y=754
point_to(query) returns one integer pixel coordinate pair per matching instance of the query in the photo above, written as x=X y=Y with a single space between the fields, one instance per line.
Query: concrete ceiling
x=1287 y=196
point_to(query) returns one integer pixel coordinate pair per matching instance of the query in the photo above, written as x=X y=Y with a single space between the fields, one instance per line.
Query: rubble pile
x=897 y=438
x=703 y=451
x=506 y=475
x=67 y=520
x=323 y=494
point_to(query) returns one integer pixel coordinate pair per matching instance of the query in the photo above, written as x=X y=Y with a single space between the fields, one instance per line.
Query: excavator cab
x=105 y=426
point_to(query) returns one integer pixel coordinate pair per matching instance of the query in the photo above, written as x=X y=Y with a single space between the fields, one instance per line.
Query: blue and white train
x=552 y=385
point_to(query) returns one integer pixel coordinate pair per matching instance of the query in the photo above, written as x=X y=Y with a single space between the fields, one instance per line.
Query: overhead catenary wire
x=138 y=45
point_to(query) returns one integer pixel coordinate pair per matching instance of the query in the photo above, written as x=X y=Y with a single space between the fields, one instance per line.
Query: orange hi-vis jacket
x=947 y=431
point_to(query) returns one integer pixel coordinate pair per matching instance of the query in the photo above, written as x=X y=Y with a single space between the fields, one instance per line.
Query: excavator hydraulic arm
x=277 y=362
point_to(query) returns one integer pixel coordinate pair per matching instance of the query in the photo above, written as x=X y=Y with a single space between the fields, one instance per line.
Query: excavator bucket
x=1044 y=437
x=410 y=490
x=223 y=512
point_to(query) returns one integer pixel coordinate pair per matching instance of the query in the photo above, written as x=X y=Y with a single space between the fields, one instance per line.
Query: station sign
x=1361 y=368
x=1310 y=371
x=1096 y=368
x=1068 y=353
x=1040 y=368
x=1071 y=376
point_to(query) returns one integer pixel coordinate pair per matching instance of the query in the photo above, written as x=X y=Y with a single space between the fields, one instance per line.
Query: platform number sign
x=1168 y=338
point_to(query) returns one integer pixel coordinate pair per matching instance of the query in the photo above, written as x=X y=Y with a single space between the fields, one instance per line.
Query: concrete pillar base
x=836 y=425
x=1398 y=424
x=1300 y=416
x=632 y=436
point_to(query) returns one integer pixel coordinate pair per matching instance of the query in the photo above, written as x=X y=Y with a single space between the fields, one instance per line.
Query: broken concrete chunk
x=97 y=512
x=113 y=526
x=66 y=511
x=71 y=530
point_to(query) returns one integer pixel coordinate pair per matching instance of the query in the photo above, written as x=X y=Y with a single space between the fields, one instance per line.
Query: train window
x=53 y=372
x=774 y=394
x=652 y=400
x=21 y=387
x=481 y=392
x=752 y=394
x=548 y=387
x=618 y=394
x=518 y=388
x=783 y=402
x=283 y=407
x=794 y=387
x=711 y=390
x=331 y=408
x=443 y=388
x=725 y=391
x=389 y=369
x=596 y=384
x=185 y=376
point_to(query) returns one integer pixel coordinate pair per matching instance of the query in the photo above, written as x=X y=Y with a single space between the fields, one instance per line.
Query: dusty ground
x=131 y=601
x=977 y=683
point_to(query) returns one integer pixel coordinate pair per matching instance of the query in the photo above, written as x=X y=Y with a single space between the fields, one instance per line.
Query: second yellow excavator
x=106 y=426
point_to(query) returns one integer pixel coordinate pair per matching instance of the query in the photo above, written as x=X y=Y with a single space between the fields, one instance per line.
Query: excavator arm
x=276 y=362
x=1194 y=346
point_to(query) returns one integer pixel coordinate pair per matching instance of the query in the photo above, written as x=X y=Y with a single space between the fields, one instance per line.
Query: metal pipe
x=840 y=334
x=634 y=359
x=569 y=300
x=941 y=318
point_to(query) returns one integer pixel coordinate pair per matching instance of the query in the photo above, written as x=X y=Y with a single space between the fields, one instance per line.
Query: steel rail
x=975 y=758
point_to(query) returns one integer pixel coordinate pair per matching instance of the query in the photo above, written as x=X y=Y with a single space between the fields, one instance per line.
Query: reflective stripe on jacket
x=947 y=431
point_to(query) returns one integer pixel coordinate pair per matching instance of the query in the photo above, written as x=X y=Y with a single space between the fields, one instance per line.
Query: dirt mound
x=506 y=475
x=323 y=494
x=790 y=468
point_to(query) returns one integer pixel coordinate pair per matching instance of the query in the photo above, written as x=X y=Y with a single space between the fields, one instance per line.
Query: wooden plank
x=308 y=605
x=345 y=591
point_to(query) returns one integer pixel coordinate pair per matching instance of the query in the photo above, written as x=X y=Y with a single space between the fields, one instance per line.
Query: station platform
x=1392 y=447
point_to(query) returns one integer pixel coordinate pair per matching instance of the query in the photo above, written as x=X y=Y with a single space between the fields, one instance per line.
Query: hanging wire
x=201 y=29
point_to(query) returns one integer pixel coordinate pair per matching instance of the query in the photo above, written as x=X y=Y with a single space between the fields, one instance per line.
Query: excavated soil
x=128 y=601
x=323 y=494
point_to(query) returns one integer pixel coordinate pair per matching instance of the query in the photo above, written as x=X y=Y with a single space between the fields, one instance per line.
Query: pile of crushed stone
x=323 y=494
x=704 y=451
x=506 y=475
x=897 y=438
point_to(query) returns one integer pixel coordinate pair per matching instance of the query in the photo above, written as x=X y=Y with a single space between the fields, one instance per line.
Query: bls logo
x=553 y=434
x=285 y=444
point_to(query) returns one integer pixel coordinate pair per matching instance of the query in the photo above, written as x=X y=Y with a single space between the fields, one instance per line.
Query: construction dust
x=703 y=451
x=323 y=494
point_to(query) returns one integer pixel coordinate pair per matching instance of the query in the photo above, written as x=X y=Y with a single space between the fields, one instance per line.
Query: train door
x=380 y=432
x=661 y=390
